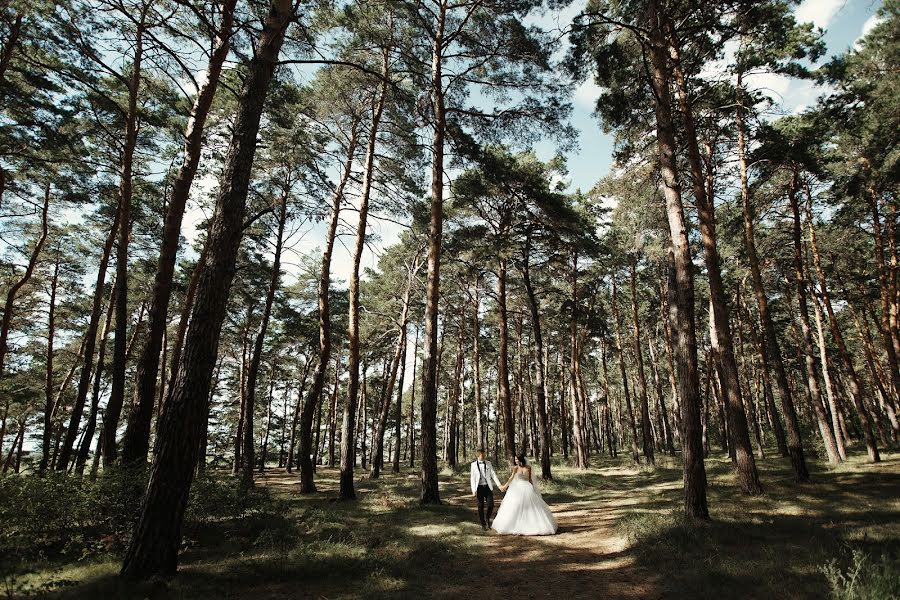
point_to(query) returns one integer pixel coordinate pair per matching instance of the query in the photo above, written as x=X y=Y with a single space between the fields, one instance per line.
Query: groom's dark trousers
x=485 y=496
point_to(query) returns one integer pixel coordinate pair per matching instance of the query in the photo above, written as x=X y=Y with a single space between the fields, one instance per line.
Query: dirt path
x=587 y=558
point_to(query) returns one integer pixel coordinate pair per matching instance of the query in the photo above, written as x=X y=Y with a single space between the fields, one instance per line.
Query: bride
x=523 y=510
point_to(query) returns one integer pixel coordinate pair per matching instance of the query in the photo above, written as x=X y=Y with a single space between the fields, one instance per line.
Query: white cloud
x=867 y=27
x=820 y=12
x=586 y=95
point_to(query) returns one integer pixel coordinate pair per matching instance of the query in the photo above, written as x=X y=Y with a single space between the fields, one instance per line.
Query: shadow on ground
x=620 y=537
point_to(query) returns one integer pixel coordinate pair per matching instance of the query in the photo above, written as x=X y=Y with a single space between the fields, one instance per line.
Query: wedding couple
x=523 y=510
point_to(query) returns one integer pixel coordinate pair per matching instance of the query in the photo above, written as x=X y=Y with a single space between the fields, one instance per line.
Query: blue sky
x=843 y=21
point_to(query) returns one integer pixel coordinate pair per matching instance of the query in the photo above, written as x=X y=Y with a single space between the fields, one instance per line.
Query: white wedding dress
x=523 y=510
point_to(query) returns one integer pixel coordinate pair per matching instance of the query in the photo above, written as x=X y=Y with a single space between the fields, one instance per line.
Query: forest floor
x=621 y=536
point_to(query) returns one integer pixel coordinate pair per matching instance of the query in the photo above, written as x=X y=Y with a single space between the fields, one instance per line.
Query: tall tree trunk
x=381 y=426
x=430 y=493
x=833 y=445
x=620 y=351
x=662 y=419
x=749 y=399
x=455 y=394
x=153 y=550
x=885 y=398
x=333 y=408
x=136 y=441
x=854 y=383
x=609 y=429
x=256 y=358
x=772 y=358
x=646 y=433
x=85 y=448
x=264 y=450
x=296 y=418
x=885 y=293
x=476 y=361
x=90 y=340
x=579 y=431
x=411 y=437
x=117 y=396
x=312 y=400
x=540 y=368
x=48 y=377
x=681 y=311
x=665 y=291
x=504 y=395
x=398 y=412
x=744 y=464
x=348 y=428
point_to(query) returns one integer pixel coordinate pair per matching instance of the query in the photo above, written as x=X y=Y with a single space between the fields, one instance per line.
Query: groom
x=482 y=477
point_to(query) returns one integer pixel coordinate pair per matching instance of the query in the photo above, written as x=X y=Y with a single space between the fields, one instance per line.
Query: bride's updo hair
x=521 y=459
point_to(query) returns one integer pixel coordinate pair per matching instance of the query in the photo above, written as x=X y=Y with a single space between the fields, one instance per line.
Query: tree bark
x=136 y=441
x=833 y=444
x=348 y=428
x=430 y=493
x=620 y=351
x=540 y=368
x=312 y=400
x=412 y=405
x=504 y=395
x=854 y=383
x=381 y=427
x=772 y=351
x=48 y=377
x=646 y=432
x=90 y=336
x=85 y=448
x=681 y=311
x=153 y=550
x=256 y=359
x=120 y=344
x=579 y=431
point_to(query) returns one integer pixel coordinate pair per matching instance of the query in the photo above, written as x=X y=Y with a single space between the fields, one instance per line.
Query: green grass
x=840 y=532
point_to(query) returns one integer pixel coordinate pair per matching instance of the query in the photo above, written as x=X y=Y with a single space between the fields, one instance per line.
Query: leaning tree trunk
x=85 y=448
x=646 y=432
x=255 y=360
x=831 y=438
x=311 y=402
x=90 y=337
x=540 y=369
x=348 y=428
x=120 y=344
x=154 y=546
x=853 y=380
x=136 y=441
x=430 y=493
x=772 y=357
x=745 y=464
x=681 y=310
x=9 y=304
x=381 y=426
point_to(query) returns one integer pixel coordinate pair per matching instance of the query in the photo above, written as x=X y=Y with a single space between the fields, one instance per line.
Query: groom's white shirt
x=490 y=476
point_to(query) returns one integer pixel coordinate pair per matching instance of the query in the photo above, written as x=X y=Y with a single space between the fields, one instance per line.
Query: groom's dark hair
x=480 y=451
